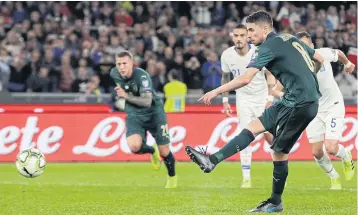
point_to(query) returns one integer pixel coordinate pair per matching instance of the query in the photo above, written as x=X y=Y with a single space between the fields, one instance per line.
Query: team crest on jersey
x=145 y=83
x=126 y=87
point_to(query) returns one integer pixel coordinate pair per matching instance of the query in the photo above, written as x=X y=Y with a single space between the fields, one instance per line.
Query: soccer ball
x=30 y=163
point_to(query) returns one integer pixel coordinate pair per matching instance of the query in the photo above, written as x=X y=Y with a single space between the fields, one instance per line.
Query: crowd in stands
x=70 y=46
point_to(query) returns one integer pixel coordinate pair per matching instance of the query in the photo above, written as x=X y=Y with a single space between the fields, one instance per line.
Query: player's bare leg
x=325 y=163
x=136 y=145
x=334 y=148
x=169 y=162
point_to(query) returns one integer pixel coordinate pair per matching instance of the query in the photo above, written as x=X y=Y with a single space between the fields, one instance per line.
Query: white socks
x=245 y=157
x=342 y=154
x=326 y=164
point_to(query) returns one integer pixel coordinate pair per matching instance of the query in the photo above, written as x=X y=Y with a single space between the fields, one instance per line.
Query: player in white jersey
x=252 y=99
x=327 y=127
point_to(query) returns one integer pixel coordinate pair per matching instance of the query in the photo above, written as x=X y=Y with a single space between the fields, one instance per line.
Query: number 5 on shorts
x=165 y=130
x=333 y=122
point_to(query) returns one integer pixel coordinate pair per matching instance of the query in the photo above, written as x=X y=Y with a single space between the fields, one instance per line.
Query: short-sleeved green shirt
x=290 y=61
x=140 y=82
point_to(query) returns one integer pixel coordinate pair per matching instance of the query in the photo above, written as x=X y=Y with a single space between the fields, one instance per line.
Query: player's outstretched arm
x=238 y=82
x=348 y=66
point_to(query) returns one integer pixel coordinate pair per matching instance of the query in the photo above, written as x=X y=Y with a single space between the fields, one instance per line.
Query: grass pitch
x=134 y=188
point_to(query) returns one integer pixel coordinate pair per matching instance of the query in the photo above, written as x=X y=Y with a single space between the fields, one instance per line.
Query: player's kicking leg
x=286 y=124
x=208 y=162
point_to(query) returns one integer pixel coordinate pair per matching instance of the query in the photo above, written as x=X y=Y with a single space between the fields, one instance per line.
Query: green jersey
x=139 y=83
x=289 y=60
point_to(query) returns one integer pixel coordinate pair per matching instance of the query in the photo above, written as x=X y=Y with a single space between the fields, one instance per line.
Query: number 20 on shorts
x=165 y=130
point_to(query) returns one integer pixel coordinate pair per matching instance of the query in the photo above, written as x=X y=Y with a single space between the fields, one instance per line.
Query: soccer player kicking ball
x=251 y=99
x=145 y=112
x=290 y=61
x=328 y=125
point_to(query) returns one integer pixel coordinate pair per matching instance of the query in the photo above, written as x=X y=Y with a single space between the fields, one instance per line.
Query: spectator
x=103 y=69
x=19 y=74
x=332 y=16
x=192 y=74
x=41 y=33
x=39 y=82
x=175 y=92
x=218 y=14
x=80 y=84
x=67 y=73
x=211 y=71
x=94 y=89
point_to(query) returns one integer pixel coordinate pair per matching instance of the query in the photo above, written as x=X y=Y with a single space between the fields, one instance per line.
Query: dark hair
x=302 y=34
x=240 y=26
x=260 y=16
x=174 y=74
x=125 y=54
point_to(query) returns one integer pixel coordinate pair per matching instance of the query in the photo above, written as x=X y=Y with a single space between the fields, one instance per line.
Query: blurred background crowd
x=70 y=46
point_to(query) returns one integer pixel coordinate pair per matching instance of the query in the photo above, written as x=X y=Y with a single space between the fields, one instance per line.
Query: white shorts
x=327 y=125
x=248 y=112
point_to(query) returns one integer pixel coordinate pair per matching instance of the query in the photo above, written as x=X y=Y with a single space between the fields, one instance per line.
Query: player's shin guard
x=169 y=161
x=325 y=163
x=144 y=149
x=238 y=143
x=280 y=172
x=245 y=157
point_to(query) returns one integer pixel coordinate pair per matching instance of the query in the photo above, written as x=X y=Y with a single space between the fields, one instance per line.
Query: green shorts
x=156 y=123
x=287 y=123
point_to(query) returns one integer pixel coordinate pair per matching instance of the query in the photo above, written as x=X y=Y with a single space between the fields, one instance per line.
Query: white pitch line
x=144 y=185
